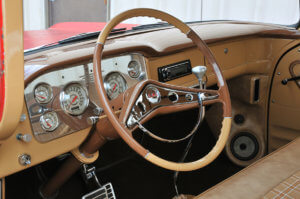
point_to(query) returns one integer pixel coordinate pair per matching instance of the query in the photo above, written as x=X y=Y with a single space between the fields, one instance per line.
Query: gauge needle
x=115 y=86
x=41 y=96
x=72 y=101
x=48 y=124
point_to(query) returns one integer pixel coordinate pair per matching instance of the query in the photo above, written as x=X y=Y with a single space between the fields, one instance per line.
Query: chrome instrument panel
x=158 y=97
x=79 y=74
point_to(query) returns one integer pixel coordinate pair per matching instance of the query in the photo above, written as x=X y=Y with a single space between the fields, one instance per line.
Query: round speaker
x=244 y=146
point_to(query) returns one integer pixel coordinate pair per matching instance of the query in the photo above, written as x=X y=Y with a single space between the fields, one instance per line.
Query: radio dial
x=166 y=74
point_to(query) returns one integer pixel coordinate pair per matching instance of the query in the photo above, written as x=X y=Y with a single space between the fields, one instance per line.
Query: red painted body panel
x=35 y=38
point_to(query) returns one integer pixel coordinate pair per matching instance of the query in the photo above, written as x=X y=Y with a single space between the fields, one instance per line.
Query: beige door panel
x=284 y=112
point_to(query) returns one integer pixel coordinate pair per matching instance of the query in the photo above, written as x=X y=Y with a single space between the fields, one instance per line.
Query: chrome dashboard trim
x=82 y=74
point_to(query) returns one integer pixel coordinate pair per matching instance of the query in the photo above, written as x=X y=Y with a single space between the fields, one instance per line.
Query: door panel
x=284 y=112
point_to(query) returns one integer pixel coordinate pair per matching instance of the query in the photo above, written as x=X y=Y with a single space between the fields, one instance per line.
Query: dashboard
x=61 y=102
x=67 y=69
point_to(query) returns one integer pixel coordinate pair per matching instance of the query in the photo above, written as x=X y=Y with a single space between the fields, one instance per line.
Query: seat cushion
x=255 y=181
x=289 y=188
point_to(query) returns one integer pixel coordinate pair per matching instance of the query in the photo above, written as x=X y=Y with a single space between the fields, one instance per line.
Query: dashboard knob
x=98 y=110
x=25 y=159
x=24 y=138
x=92 y=120
x=199 y=72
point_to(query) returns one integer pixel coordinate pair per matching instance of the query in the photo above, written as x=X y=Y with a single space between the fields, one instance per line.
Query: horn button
x=153 y=95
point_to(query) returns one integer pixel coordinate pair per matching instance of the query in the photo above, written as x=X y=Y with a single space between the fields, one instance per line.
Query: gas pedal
x=104 y=192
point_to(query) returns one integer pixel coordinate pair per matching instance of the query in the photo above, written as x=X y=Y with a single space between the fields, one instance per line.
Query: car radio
x=173 y=71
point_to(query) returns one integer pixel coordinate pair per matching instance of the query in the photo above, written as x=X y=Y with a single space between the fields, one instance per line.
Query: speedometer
x=114 y=84
x=74 y=99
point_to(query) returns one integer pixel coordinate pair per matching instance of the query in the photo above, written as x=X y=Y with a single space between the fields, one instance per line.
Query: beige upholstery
x=255 y=181
x=289 y=188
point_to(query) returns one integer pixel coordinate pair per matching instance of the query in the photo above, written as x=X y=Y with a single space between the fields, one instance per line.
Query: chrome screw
x=22 y=118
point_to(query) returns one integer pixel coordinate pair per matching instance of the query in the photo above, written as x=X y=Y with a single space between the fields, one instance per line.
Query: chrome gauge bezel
x=106 y=83
x=63 y=95
x=48 y=87
x=138 y=71
x=54 y=127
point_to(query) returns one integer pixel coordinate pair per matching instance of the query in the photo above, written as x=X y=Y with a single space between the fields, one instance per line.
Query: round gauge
x=114 y=84
x=153 y=95
x=43 y=93
x=49 y=121
x=134 y=69
x=74 y=99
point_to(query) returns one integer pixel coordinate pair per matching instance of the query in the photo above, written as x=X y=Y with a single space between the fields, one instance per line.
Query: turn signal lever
x=199 y=72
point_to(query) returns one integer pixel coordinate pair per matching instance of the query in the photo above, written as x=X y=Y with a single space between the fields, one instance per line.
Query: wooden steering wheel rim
x=121 y=128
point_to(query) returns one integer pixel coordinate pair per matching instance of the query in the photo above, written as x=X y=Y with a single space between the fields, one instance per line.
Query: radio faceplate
x=174 y=71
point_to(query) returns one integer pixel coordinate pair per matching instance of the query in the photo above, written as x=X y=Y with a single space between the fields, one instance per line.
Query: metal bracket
x=88 y=174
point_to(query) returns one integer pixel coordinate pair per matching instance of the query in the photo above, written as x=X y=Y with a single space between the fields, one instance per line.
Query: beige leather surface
x=13 y=66
x=289 y=188
x=256 y=180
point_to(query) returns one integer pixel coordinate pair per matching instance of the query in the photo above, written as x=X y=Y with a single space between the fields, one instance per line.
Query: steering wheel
x=150 y=98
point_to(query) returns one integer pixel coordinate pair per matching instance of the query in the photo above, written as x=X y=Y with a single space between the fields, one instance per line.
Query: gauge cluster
x=60 y=102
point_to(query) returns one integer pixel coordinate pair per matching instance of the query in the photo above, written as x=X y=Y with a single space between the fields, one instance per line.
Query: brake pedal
x=104 y=192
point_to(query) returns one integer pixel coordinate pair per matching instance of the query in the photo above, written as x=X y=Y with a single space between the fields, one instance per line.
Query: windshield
x=47 y=22
x=284 y=12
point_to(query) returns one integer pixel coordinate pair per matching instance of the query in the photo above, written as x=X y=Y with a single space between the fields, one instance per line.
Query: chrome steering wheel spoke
x=154 y=97
x=161 y=99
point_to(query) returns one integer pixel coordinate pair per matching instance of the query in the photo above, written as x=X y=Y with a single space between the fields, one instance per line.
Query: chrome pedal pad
x=104 y=192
